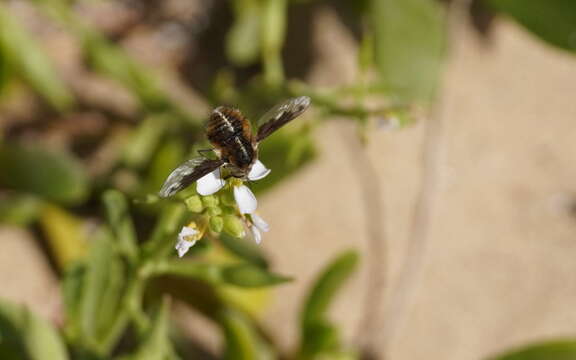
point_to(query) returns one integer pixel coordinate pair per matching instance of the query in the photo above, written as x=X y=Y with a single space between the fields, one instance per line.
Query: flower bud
x=234 y=226
x=213 y=211
x=210 y=201
x=194 y=204
x=216 y=223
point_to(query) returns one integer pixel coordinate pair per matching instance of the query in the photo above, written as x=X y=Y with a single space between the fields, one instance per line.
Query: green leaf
x=144 y=141
x=163 y=238
x=242 y=275
x=242 y=45
x=273 y=32
x=27 y=336
x=101 y=294
x=554 y=350
x=554 y=21
x=30 y=61
x=242 y=340
x=169 y=155
x=327 y=285
x=318 y=335
x=19 y=209
x=65 y=233
x=156 y=342
x=244 y=249
x=6 y=68
x=121 y=223
x=72 y=285
x=56 y=176
x=409 y=46
x=192 y=269
x=112 y=61
x=246 y=275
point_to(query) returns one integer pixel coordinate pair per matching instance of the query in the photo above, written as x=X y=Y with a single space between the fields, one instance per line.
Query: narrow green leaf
x=246 y=275
x=65 y=233
x=30 y=61
x=319 y=337
x=121 y=223
x=112 y=61
x=242 y=275
x=553 y=21
x=19 y=209
x=409 y=46
x=273 y=32
x=164 y=235
x=156 y=342
x=208 y=272
x=242 y=45
x=102 y=293
x=56 y=176
x=554 y=350
x=326 y=286
x=27 y=336
x=170 y=154
x=7 y=70
x=242 y=340
x=72 y=285
x=244 y=249
x=144 y=141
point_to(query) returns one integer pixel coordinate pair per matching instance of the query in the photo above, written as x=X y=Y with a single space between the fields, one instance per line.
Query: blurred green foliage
x=554 y=21
x=554 y=350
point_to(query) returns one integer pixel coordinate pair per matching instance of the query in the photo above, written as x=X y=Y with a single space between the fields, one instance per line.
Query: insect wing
x=280 y=115
x=186 y=174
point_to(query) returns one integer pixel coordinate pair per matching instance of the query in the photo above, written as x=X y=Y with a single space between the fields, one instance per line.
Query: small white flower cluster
x=245 y=200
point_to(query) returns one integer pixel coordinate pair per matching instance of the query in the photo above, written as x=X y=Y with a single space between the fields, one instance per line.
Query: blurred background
x=424 y=207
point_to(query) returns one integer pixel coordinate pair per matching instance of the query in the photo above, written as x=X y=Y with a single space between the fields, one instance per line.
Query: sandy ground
x=499 y=265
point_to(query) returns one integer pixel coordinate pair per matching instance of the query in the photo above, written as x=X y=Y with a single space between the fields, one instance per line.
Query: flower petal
x=258 y=171
x=260 y=223
x=210 y=183
x=245 y=199
x=256 y=234
x=186 y=231
x=182 y=246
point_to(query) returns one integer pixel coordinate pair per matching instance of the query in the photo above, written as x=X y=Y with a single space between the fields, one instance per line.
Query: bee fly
x=235 y=145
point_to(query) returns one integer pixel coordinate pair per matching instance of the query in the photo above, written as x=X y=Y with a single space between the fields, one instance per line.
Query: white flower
x=260 y=223
x=209 y=184
x=257 y=226
x=247 y=203
x=245 y=199
x=256 y=234
x=258 y=171
x=183 y=245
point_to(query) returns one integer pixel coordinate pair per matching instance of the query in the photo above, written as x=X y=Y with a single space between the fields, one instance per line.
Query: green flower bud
x=216 y=223
x=233 y=226
x=194 y=204
x=230 y=210
x=213 y=211
x=210 y=201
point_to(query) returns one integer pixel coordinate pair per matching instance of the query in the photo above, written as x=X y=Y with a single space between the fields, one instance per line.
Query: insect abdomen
x=229 y=131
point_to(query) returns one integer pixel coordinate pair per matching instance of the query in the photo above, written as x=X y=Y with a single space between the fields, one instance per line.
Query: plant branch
x=372 y=308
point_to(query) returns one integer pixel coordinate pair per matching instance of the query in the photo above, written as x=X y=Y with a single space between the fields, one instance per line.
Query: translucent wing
x=280 y=115
x=186 y=174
